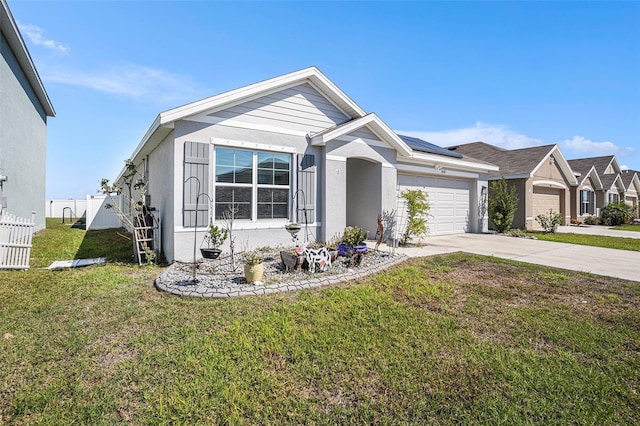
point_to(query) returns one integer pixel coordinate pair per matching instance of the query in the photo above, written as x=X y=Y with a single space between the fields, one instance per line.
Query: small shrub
x=518 y=233
x=549 y=222
x=592 y=220
x=216 y=236
x=502 y=205
x=418 y=208
x=253 y=257
x=614 y=214
x=353 y=236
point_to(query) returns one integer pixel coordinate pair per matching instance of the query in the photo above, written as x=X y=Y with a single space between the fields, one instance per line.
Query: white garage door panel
x=449 y=200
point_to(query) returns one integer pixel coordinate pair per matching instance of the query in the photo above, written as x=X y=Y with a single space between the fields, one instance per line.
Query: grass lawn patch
x=439 y=340
x=619 y=243
x=635 y=228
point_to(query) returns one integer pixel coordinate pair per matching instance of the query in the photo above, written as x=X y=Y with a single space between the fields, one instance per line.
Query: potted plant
x=253 y=266
x=352 y=240
x=214 y=238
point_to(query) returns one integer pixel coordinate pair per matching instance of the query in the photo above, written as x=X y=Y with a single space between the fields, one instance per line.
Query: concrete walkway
x=598 y=230
x=601 y=261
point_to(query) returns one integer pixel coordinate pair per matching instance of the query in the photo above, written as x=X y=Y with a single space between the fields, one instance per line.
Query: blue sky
x=513 y=74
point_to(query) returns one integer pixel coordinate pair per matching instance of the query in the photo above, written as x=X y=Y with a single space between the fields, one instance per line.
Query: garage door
x=449 y=199
x=545 y=199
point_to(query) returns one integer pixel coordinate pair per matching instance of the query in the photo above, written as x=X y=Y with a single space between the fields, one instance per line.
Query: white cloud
x=130 y=81
x=587 y=147
x=36 y=35
x=494 y=134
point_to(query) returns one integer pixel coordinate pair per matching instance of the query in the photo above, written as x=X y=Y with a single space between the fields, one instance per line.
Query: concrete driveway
x=601 y=261
x=598 y=230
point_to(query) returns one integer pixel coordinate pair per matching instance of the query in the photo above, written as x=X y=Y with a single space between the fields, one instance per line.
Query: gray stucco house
x=24 y=108
x=295 y=148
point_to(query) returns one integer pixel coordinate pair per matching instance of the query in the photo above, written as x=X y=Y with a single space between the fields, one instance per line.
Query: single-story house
x=24 y=108
x=609 y=172
x=631 y=182
x=295 y=148
x=541 y=175
x=583 y=197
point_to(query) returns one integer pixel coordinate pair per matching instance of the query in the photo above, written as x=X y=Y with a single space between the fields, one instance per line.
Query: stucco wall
x=23 y=128
x=364 y=196
x=160 y=187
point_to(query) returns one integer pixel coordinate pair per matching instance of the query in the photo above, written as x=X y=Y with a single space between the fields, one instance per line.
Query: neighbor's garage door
x=449 y=199
x=545 y=199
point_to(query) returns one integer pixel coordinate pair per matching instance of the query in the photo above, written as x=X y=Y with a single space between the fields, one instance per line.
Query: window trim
x=254 y=185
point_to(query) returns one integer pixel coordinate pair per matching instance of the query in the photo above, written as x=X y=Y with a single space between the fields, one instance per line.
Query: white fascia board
x=616 y=165
x=430 y=170
x=341 y=130
x=375 y=124
x=434 y=159
x=144 y=143
x=564 y=165
x=242 y=93
x=636 y=181
x=19 y=48
x=618 y=183
x=594 y=177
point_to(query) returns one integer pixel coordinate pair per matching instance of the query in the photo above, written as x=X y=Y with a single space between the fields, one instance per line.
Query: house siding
x=23 y=126
x=161 y=188
x=300 y=108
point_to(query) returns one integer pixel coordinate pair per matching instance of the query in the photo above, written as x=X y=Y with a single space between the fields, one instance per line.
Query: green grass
x=635 y=228
x=619 y=243
x=439 y=340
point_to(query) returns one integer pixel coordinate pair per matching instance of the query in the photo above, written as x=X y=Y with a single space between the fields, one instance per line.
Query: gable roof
x=517 y=163
x=629 y=178
x=371 y=121
x=600 y=163
x=165 y=121
x=610 y=179
x=17 y=45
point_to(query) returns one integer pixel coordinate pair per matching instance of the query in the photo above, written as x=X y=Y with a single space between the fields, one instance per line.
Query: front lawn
x=619 y=243
x=635 y=228
x=439 y=340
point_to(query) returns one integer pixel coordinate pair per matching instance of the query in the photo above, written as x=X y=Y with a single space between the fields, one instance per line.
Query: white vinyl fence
x=16 y=234
x=99 y=216
x=68 y=208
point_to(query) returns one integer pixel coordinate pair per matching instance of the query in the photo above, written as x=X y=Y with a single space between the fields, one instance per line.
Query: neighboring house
x=608 y=170
x=295 y=148
x=583 y=197
x=541 y=175
x=631 y=182
x=24 y=108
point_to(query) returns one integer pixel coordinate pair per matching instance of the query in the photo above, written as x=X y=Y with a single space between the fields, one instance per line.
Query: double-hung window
x=586 y=202
x=255 y=182
x=613 y=197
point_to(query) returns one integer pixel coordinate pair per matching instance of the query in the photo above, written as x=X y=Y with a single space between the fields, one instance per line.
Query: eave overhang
x=19 y=48
x=373 y=123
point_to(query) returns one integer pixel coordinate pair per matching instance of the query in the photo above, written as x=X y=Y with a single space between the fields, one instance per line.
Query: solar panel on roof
x=428 y=147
